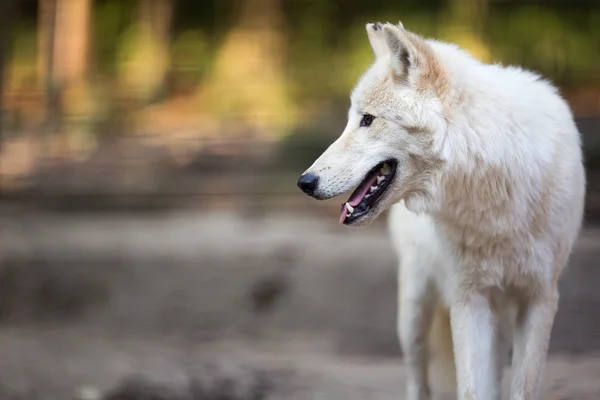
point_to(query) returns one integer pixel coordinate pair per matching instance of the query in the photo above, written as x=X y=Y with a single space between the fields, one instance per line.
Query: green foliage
x=190 y=54
x=24 y=53
x=324 y=50
x=560 y=45
x=111 y=19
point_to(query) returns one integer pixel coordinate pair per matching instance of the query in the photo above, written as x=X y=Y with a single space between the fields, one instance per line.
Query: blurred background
x=153 y=241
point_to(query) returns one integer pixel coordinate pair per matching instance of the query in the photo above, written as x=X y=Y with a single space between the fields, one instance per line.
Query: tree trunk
x=6 y=7
x=63 y=67
x=48 y=76
x=63 y=38
x=72 y=40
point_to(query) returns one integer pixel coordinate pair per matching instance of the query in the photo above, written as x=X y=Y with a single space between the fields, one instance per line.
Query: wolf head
x=393 y=144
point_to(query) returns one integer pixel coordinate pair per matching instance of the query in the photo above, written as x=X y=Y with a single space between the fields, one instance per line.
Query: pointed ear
x=402 y=51
x=413 y=61
x=377 y=39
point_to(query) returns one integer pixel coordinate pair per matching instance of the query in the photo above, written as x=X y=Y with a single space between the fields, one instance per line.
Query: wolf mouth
x=369 y=192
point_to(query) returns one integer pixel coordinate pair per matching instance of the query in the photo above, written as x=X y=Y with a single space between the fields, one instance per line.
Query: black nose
x=308 y=183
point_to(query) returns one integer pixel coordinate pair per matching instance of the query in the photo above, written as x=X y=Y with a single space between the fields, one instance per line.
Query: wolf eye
x=367 y=120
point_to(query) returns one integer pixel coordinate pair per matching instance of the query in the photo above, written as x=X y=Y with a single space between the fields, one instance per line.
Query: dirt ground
x=88 y=300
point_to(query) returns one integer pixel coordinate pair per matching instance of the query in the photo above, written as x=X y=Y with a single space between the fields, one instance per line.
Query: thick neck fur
x=483 y=191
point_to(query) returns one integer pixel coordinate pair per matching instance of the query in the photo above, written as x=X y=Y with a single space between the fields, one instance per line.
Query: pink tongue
x=357 y=196
x=361 y=191
x=343 y=214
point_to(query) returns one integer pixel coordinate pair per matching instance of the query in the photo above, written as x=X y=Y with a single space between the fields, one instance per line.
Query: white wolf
x=482 y=168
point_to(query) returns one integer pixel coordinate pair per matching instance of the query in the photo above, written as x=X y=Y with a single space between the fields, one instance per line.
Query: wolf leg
x=474 y=336
x=417 y=300
x=532 y=335
x=503 y=344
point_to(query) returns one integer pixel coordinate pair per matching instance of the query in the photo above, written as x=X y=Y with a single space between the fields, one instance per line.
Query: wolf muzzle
x=308 y=183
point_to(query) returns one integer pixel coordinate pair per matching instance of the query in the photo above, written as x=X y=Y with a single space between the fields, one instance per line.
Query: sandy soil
x=60 y=363
x=88 y=300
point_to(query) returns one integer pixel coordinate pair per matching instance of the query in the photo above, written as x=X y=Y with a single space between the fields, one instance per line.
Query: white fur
x=486 y=203
x=426 y=281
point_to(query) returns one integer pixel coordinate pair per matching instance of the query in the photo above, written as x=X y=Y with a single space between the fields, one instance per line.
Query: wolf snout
x=308 y=183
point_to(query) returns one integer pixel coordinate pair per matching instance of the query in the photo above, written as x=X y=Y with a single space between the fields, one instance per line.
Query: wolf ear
x=403 y=52
x=414 y=61
x=377 y=39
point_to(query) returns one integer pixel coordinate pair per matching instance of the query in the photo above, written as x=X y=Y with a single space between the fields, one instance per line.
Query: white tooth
x=349 y=208
x=380 y=179
x=372 y=189
x=348 y=215
x=385 y=169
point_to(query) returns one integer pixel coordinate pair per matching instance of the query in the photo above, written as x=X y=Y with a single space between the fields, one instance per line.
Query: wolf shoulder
x=533 y=103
